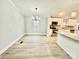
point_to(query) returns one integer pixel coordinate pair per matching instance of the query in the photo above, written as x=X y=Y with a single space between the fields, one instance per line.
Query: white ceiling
x=45 y=7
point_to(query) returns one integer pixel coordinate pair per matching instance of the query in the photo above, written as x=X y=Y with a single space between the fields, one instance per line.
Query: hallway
x=35 y=47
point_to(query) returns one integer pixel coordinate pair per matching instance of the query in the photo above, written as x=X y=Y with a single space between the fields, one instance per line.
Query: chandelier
x=36 y=17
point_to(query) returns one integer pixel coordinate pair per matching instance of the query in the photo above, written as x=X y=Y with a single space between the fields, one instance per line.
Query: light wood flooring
x=35 y=47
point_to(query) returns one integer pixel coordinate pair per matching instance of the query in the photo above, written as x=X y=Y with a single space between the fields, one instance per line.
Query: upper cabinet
x=71 y=22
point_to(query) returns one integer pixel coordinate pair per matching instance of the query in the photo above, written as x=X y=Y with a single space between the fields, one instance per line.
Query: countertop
x=74 y=36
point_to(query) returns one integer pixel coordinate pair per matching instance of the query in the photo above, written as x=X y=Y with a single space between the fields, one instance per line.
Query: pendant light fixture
x=36 y=17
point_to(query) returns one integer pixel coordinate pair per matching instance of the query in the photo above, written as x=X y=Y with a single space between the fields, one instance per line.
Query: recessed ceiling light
x=61 y=13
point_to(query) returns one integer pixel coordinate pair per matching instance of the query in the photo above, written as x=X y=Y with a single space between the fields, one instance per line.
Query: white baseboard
x=4 y=49
x=42 y=34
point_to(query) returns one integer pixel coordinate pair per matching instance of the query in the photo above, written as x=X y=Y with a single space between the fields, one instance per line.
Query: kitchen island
x=69 y=42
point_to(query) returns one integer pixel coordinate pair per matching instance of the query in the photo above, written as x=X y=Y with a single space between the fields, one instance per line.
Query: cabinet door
x=72 y=22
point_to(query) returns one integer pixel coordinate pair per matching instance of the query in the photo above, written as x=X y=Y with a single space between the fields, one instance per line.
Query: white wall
x=11 y=23
x=42 y=25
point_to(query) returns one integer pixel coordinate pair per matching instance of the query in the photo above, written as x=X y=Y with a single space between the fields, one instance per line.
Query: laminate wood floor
x=35 y=47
